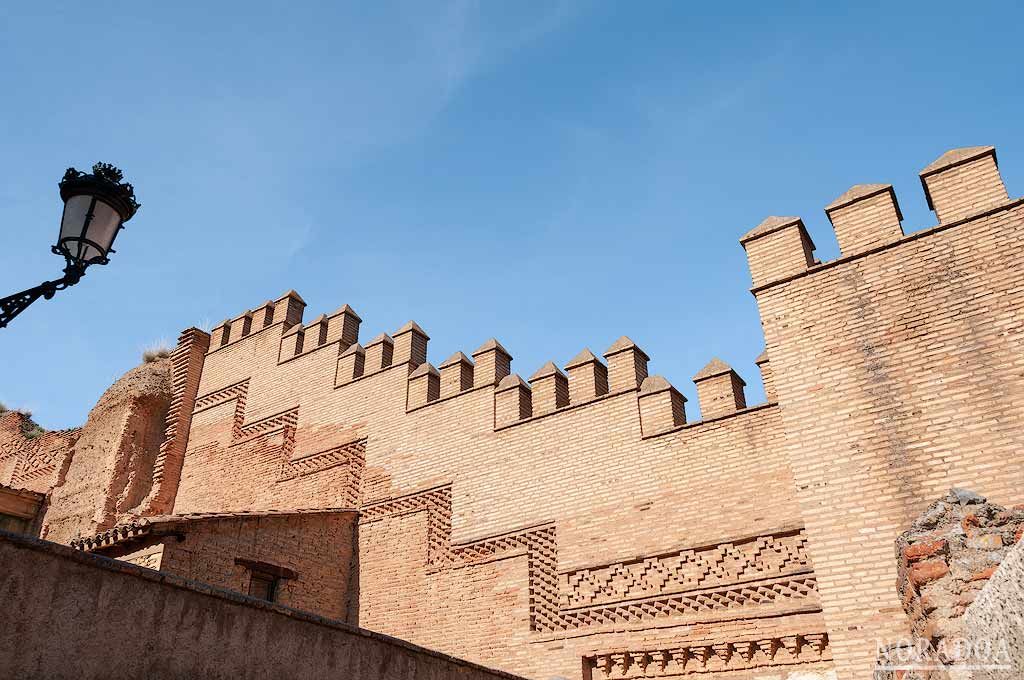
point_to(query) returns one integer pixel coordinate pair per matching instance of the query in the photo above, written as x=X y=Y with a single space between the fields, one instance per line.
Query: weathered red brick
x=925 y=572
x=919 y=551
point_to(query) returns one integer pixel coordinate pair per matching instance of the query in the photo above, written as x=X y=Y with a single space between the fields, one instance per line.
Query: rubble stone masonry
x=576 y=524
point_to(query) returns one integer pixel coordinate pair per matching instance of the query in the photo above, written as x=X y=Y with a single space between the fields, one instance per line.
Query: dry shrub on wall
x=30 y=429
x=156 y=351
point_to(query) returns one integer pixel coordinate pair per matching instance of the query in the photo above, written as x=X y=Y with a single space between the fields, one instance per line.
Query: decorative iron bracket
x=13 y=305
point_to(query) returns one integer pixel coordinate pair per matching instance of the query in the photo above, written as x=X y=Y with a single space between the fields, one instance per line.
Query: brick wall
x=317 y=547
x=898 y=373
x=31 y=463
x=475 y=537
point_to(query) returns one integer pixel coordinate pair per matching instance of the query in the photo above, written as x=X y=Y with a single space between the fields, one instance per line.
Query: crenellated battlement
x=280 y=349
x=865 y=218
x=586 y=378
x=960 y=184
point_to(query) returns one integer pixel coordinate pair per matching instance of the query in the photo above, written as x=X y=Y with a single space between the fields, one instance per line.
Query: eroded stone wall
x=108 y=471
x=958 y=576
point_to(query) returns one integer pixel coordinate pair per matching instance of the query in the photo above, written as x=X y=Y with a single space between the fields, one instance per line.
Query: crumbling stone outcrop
x=946 y=560
x=946 y=557
x=109 y=471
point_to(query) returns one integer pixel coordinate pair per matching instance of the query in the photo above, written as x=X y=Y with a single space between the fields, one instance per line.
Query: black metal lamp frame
x=104 y=183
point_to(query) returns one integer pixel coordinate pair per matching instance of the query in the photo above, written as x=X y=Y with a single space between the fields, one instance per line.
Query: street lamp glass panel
x=103 y=227
x=75 y=210
x=88 y=228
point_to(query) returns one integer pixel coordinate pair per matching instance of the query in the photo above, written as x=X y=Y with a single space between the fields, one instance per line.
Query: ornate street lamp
x=96 y=206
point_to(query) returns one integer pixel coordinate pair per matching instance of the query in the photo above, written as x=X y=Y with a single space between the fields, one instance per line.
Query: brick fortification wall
x=898 y=371
x=576 y=523
x=566 y=526
x=86 y=617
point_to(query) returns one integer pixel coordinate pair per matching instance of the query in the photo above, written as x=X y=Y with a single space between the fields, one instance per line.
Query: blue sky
x=554 y=174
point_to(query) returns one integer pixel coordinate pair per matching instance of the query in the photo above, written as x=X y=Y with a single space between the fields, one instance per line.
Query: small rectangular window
x=263 y=586
x=265 y=579
x=13 y=524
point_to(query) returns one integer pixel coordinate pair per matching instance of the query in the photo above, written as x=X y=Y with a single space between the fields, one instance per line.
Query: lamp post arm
x=13 y=305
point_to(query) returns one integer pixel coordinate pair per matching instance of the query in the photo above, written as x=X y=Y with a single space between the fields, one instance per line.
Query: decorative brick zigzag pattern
x=237 y=391
x=438 y=505
x=709 y=658
x=777 y=562
x=541 y=546
x=242 y=431
x=186 y=368
x=539 y=543
x=33 y=461
x=351 y=455
x=686 y=582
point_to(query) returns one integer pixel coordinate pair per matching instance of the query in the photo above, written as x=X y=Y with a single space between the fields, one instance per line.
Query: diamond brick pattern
x=688 y=569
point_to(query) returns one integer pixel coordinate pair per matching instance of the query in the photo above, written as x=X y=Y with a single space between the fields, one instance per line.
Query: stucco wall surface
x=83 y=616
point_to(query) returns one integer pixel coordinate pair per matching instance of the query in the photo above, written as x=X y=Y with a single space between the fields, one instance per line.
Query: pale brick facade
x=899 y=372
x=578 y=525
